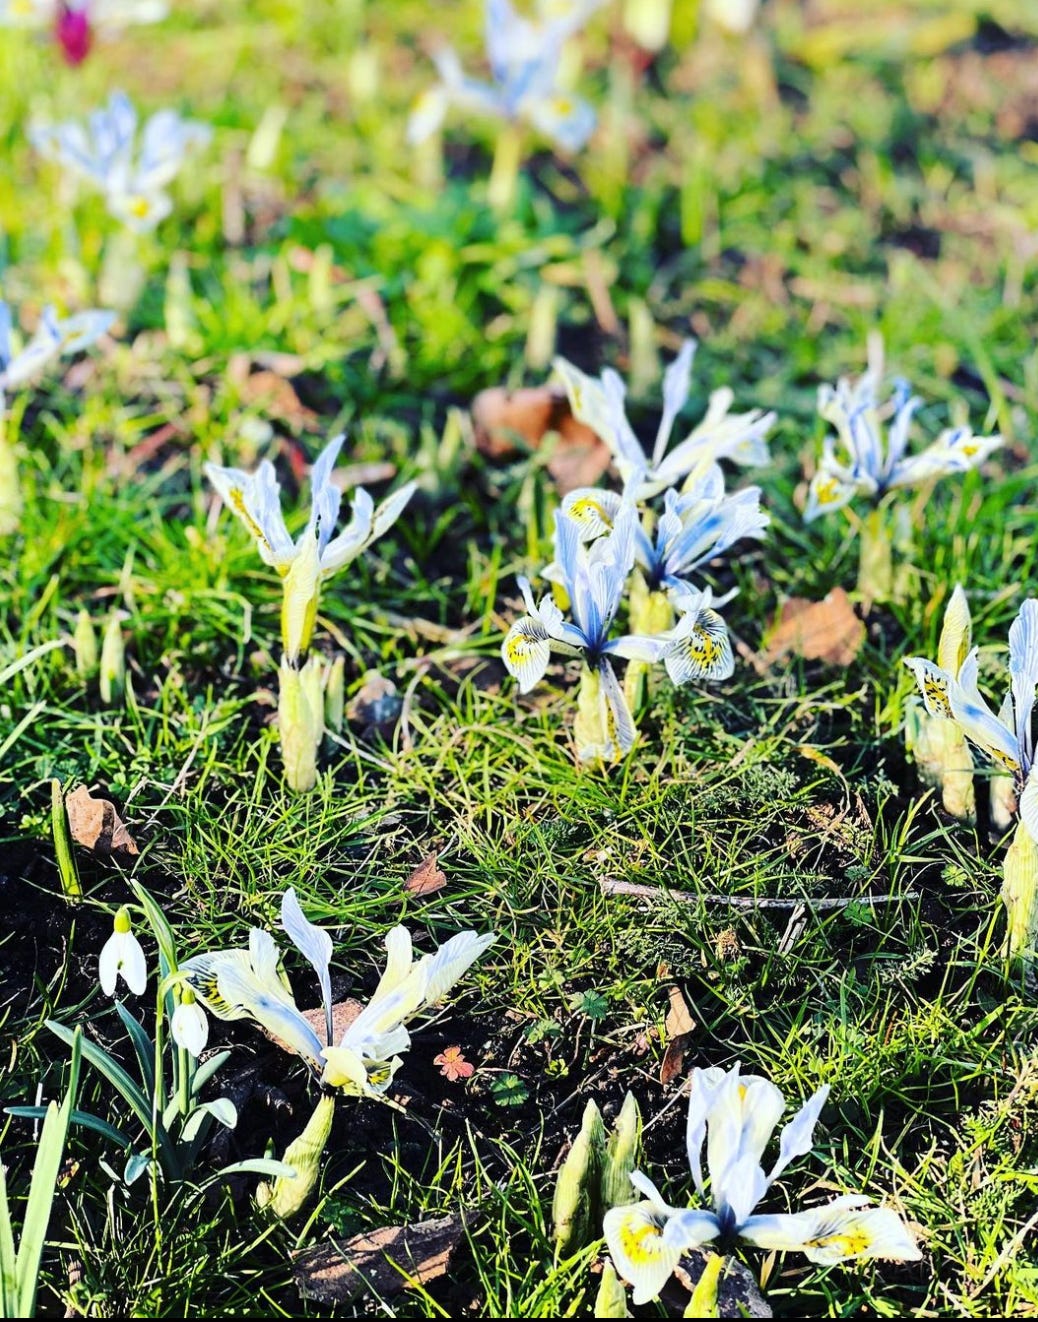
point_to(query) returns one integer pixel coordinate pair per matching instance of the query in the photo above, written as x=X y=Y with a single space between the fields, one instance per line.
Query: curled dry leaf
x=826 y=630
x=679 y=1026
x=427 y=878
x=382 y=1262
x=506 y=421
x=96 y=825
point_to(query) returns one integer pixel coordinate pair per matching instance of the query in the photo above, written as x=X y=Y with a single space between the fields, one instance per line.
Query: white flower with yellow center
x=240 y=984
x=600 y=405
x=736 y=1116
x=524 y=57
x=872 y=443
x=315 y=554
x=132 y=174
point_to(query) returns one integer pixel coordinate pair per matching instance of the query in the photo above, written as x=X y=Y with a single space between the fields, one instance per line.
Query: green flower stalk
x=1008 y=740
x=301 y=721
x=304 y=565
x=611 y=1299
x=937 y=742
x=112 y=674
x=335 y=695
x=576 y=1211
x=84 y=643
x=289 y=1194
x=622 y=1152
x=704 y=1301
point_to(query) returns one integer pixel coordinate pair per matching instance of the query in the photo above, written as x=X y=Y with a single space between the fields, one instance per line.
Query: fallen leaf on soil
x=427 y=878
x=825 y=630
x=679 y=1025
x=382 y=1262
x=277 y=398
x=343 y=1014
x=505 y=420
x=95 y=824
x=679 y=1019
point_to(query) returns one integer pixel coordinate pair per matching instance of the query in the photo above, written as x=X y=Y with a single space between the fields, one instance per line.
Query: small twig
x=613 y=886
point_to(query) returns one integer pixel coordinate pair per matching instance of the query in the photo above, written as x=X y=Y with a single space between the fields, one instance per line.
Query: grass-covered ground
x=838 y=170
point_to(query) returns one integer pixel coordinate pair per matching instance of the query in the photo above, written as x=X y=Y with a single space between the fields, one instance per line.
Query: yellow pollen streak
x=641 y=1241
x=850 y=1243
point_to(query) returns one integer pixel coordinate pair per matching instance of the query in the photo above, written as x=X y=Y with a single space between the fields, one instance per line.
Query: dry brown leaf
x=679 y=1026
x=427 y=878
x=277 y=398
x=506 y=419
x=96 y=825
x=827 y=630
x=673 y=1060
x=343 y=1014
x=383 y=1262
x=679 y=1019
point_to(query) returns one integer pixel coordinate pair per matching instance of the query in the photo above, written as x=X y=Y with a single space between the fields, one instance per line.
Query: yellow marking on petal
x=827 y=492
x=1004 y=759
x=936 y=693
x=641 y=1241
x=140 y=207
x=520 y=649
x=588 y=510
x=848 y=1243
x=236 y=498
x=562 y=105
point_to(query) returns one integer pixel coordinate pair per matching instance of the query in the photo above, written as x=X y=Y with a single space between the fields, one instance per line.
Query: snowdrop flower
x=524 y=58
x=53 y=337
x=239 y=984
x=106 y=153
x=874 y=463
x=736 y=1115
x=1008 y=738
x=315 y=554
x=721 y=435
x=122 y=956
x=189 y=1025
x=594 y=580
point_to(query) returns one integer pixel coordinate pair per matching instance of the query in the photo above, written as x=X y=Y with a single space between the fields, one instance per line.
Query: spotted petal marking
x=593 y=511
x=526 y=652
x=701 y=651
x=635 y=1238
x=933 y=685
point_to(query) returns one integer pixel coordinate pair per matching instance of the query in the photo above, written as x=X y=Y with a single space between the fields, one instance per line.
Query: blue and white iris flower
x=304 y=563
x=869 y=456
x=133 y=175
x=1008 y=738
x=54 y=336
x=600 y=405
x=248 y=984
x=736 y=1115
x=524 y=57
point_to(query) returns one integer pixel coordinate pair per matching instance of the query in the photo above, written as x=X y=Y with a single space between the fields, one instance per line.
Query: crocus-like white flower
x=122 y=956
x=875 y=463
x=1008 y=738
x=736 y=1115
x=594 y=578
x=106 y=153
x=189 y=1025
x=315 y=555
x=698 y=523
x=240 y=984
x=600 y=404
x=524 y=58
x=53 y=337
